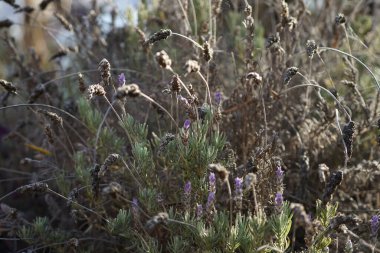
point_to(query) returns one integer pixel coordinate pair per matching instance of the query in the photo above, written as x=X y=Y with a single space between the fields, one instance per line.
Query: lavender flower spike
x=279 y=199
x=238 y=186
x=212 y=182
x=121 y=79
x=199 y=210
x=218 y=97
x=187 y=189
x=210 y=200
x=279 y=174
x=375 y=225
x=187 y=124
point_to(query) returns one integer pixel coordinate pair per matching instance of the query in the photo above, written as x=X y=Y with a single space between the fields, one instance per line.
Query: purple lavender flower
x=279 y=199
x=218 y=97
x=187 y=188
x=238 y=186
x=187 y=124
x=199 y=210
x=375 y=225
x=279 y=174
x=210 y=200
x=121 y=79
x=212 y=182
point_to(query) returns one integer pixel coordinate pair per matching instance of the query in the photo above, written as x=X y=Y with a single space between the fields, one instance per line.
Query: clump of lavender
x=375 y=225
x=187 y=195
x=239 y=192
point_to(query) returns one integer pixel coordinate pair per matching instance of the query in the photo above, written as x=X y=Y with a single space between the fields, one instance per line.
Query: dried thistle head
x=289 y=73
x=340 y=19
x=163 y=34
x=163 y=59
x=95 y=90
x=192 y=66
x=8 y=86
x=207 y=51
x=105 y=70
x=127 y=90
x=348 y=136
x=311 y=48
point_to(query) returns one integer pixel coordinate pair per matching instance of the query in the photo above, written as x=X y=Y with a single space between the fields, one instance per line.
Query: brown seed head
x=163 y=59
x=207 y=51
x=95 y=90
x=220 y=170
x=105 y=70
x=348 y=136
x=163 y=34
x=127 y=90
x=192 y=66
x=311 y=48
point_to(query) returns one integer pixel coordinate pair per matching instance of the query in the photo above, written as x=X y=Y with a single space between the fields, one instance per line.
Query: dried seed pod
x=220 y=170
x=163 y=59
x=35 y=187
x=105 y=70
x=6 y=23
x=163 y=34
x=340 y=19
x=348 y=137
x=207 y=51
x=289 y=73
x=311 y=48
x=8 y=86
x=95 y=90
x=127 y=90
x=82 y=85
x=333 y=183
x=192 y=66
x=64 y=22
x=53 y=117
x=110 y=160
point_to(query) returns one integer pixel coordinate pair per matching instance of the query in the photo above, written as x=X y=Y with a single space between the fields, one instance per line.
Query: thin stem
x=357 y=59
x=130 y=171
x=341 y=133
x=189 y=39
x=161 y=107
x=185 y=15
x=208 y=93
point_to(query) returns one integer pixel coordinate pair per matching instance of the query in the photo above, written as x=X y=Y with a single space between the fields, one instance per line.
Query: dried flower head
x=340 y=19
x=192 y=66
x=163 y=59
x=311 y=48
x=82 y=85
x=35 y=187
x=333 y=183
x=348 y=137
x=272 y=39
x=110 y=160
x=53 y=117
x=105 y=70
x=95 y=90
x=163 y=34
x=220 y=170
x=257 y=79
x=175 y=85
x=8 y=86
x=159 y=219
x=127 y=90
x=289 y=73
x=207 y=51
x=49 y=134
